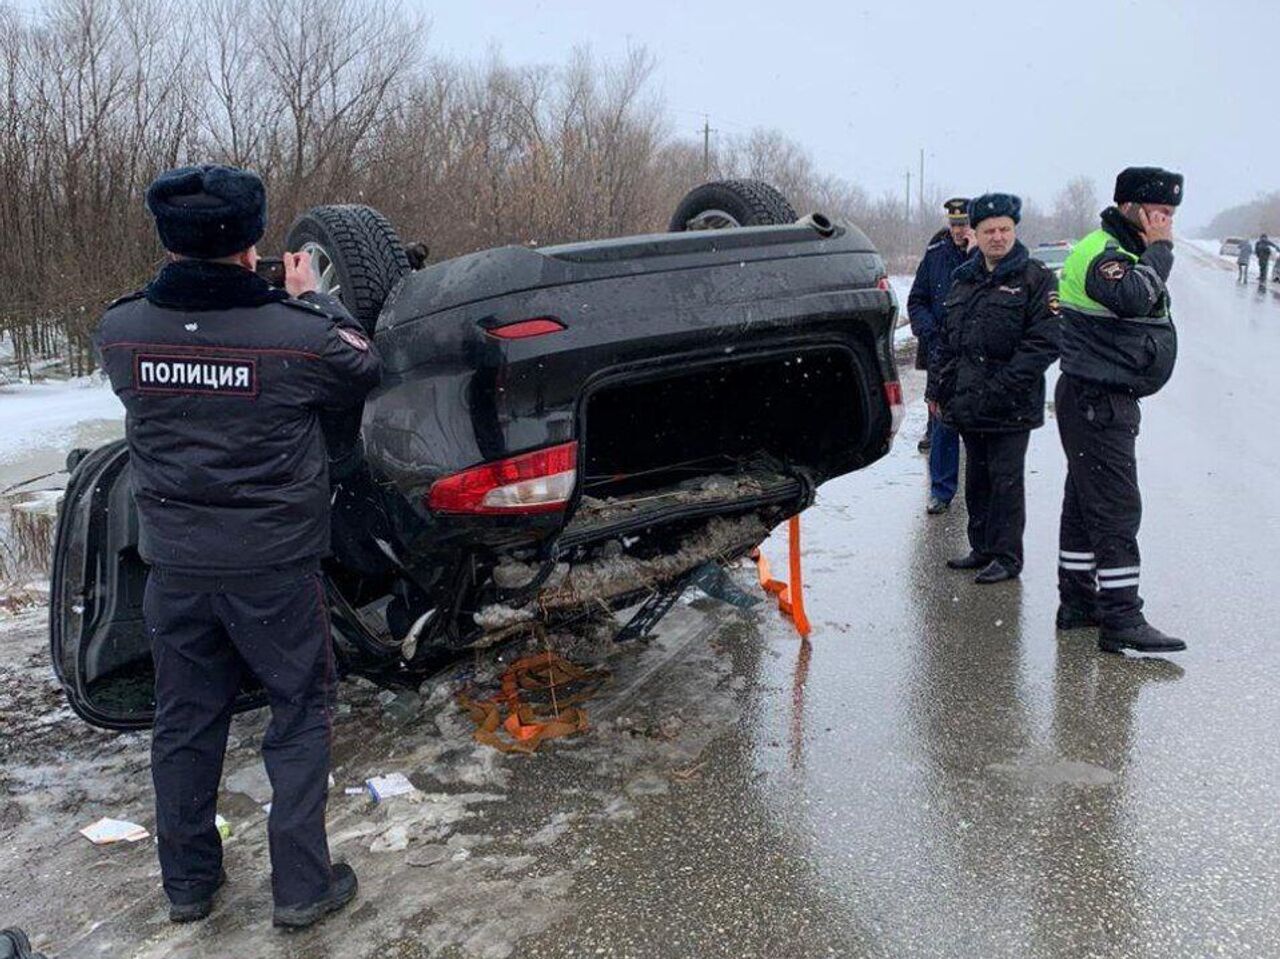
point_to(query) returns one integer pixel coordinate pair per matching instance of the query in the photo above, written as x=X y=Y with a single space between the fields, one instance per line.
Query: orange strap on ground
x=529 y=723
x=790 y=595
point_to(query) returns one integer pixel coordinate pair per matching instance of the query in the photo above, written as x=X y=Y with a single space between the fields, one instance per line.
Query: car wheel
x=356 y=253
x=731 y=203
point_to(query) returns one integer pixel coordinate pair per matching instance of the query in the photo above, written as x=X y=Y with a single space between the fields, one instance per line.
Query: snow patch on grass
x=39 y=415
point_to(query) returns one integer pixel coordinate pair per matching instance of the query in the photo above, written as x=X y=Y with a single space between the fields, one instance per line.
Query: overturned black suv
x=560 y=429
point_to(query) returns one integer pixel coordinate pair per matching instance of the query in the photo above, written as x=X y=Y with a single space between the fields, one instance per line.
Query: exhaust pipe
x=818 y=222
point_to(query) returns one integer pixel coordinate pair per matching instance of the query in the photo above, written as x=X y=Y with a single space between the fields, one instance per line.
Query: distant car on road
x=1230 y=246
x=1054 y=254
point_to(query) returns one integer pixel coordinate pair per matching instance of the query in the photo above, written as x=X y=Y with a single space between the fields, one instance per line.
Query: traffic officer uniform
x=924 y=308
x=999 y=335
x=1118 y=344
x=224 y=379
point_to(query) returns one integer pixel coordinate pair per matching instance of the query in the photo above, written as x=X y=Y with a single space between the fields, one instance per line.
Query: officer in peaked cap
x=947 y=249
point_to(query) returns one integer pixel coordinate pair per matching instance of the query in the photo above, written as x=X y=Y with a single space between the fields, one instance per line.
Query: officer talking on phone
x=1118 y=345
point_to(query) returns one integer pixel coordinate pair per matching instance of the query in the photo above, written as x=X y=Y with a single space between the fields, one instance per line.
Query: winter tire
x=730 y=203
x=357 y=255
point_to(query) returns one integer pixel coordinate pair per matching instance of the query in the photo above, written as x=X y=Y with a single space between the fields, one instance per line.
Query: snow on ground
x=901 y=287
x=1208 y=246
x=38 y=415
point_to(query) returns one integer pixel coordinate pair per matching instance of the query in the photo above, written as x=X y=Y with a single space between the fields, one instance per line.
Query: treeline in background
x=343 y=101
x=1248 y=219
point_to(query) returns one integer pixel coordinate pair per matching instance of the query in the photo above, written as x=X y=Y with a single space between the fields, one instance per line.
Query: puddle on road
x=1054 y=772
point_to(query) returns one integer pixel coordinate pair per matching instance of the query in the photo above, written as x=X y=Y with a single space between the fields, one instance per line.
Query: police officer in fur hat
x=1118 y=345
x=224 y=379
x=999 y=335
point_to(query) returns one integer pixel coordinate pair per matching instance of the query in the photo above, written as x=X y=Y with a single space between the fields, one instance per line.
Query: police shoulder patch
x=1113 y=270
x=1055 y=303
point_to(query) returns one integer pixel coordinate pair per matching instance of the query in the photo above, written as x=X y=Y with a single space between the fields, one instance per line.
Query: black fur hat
x=208 y=211
x=994 y=204
x=1148 y=184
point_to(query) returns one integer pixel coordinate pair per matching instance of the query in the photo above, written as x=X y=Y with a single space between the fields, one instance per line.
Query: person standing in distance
x=999 y=335
x=1244 y=253
x=1119 y=345
x=1263 y=250
x=946 y=251
x=224 y=379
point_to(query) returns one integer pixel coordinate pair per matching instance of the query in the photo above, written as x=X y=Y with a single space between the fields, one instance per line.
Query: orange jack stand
x=790 y=595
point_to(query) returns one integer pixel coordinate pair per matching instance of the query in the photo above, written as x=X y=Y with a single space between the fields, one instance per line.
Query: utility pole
x=921 y=206
x=706 y=145
x=908 y=195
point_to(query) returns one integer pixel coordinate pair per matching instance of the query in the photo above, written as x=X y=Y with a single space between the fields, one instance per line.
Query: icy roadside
x=901 y=287
x=44 y=415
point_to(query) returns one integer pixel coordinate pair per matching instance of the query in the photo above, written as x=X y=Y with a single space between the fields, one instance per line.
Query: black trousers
x=995 y=494
x=204 y=634
x=1098 y=559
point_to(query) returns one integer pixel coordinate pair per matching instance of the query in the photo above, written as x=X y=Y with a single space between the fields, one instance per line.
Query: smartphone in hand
x=271 y=269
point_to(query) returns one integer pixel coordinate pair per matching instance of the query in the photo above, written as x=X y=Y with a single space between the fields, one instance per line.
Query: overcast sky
x=1006 y=95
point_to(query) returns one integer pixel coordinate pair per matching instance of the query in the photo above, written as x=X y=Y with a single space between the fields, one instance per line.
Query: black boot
x=1143 y=638
x=973 y=560
x=200 y=909
x=342 y=889
x=1075 y=617
x=926 y=441
x=994 y=572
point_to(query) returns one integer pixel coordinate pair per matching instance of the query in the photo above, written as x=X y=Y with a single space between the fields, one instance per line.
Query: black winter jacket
x=999 y=335
x=224 y=380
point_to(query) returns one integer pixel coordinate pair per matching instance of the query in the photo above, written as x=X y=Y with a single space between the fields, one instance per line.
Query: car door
x=99 y=646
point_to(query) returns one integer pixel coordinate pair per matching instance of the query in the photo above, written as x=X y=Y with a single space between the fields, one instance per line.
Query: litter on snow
x=106 y=831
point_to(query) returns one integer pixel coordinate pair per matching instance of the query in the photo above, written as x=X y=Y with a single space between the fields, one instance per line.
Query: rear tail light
x=897 y=410
x=524 y=329
x=537 y=482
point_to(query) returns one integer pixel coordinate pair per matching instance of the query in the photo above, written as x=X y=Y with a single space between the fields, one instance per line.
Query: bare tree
x=1076 y=208
x=339 y=102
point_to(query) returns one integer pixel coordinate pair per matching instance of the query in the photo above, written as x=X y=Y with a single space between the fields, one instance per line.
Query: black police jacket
x=224 y=380
x=999 y=335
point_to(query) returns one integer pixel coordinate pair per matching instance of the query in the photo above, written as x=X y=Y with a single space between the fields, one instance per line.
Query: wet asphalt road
x=935 y=774
x=939 y=774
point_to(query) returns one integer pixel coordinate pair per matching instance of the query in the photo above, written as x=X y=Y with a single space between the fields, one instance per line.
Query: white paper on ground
x=392 y=784
x=107 y=830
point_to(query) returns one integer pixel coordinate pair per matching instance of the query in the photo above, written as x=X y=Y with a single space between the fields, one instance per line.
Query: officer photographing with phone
x=224 y=379
x=1118 y=345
